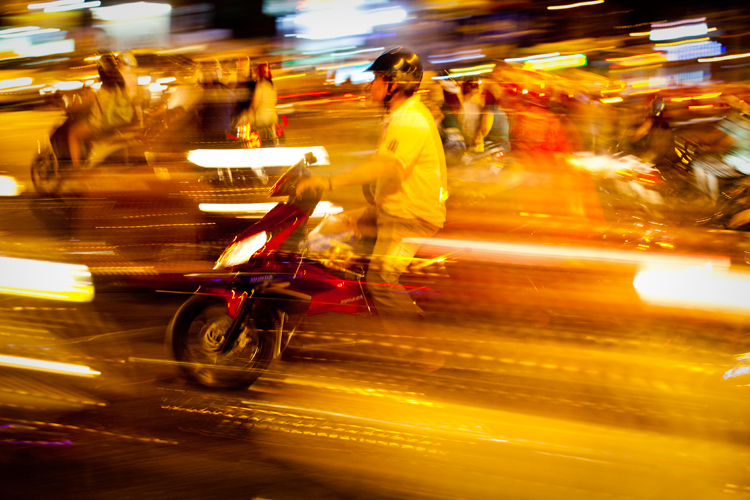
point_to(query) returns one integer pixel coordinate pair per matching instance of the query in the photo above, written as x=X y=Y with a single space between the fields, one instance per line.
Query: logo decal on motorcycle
x=265 y=277
x=352 y=299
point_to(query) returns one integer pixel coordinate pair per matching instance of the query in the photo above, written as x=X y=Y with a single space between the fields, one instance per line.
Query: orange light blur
x=702 y=106
x=650 y=91
x=630 y=58
x=696 y=97
x=326 y=101
x=303 y=94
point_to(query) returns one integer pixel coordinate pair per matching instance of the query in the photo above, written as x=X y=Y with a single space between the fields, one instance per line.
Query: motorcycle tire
x=46 y=175
x=194 y=336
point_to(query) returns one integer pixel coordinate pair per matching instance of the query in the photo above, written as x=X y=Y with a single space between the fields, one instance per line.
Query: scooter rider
x=112 y=107
x=410 y=174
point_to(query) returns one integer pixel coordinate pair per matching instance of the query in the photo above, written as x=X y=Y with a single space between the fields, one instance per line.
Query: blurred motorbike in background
x=51 y=164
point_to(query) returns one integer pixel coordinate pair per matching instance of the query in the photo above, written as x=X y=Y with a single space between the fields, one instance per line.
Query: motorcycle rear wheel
x=194 y=337
x=45 y=174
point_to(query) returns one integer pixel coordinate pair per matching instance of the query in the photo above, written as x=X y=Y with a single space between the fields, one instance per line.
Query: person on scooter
x=410 y=175
x=112 y=108
x=261 y=114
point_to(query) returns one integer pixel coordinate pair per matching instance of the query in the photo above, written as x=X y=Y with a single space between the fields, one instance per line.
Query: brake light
x=649 y=178
x=625 y=173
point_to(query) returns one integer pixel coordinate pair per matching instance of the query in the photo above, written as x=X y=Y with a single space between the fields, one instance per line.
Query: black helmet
x=107 y=63
x=401 y=66
x=108 y=67
x=470 y=84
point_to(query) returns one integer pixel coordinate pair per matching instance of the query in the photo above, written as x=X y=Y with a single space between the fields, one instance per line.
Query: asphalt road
x=556 y=379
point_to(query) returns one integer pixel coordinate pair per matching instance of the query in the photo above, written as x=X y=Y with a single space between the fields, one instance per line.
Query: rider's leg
x=391 y=257
x=79 y=132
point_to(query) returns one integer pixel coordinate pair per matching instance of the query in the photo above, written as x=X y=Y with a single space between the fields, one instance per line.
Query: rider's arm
x=365 y=173
x=642 y=130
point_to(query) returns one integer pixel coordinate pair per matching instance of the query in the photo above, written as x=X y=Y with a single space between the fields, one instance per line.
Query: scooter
x=51 y=165
x=246 y=311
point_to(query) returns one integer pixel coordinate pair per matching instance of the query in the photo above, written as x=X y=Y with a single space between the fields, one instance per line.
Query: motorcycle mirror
x=310 y=158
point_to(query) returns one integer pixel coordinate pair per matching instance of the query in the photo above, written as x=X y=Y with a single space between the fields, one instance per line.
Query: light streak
x=696 y=97
x=682 y=42
x=681 y=31
x=15 y=82
x=303 y=94
x=511 y=252
x=65 y=8
x=611 y=100
x=571 y=61
x=299 y=75
x=650 y=91
x=44 y=279
x=481 y=67
x=255 y=158
x=29 y=33
x=59 y=3
x=678 y=23
x=9 y=186
x=702 y=106
x=47 y=366
x=724 y=58
x=574 y=5
x=538 y=56
x=637 y=56
x=323 y=208
x=696 y=287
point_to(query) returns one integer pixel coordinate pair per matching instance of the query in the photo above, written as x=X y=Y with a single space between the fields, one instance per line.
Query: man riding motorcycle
x=410 y=172
x=112 y=107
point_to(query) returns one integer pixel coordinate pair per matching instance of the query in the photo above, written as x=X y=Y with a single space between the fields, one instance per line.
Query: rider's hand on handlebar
x=315 y=183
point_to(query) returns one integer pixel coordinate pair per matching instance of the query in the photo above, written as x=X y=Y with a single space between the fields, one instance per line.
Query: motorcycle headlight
x=241 y=251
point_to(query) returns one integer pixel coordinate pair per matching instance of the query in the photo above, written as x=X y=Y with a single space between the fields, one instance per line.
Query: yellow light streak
x=613 y=91
x=641 y=33
x=43 y=279
x=696 y=97
x=612 y=100
x=574 y=5
x=724 y=58
x=650 y=91
x=481 y=67
x=696 y=287
x=682 y=42
x=571 y=61
x=300 y=75
x=637 y=56
x=47 y=366
x=9 y=186
x=511 y=252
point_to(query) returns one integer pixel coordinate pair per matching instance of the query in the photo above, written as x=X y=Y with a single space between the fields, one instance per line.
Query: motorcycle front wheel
x=45 y=174
x=194 y=339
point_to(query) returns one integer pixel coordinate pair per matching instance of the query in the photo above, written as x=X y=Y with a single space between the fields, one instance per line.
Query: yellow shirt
x=412 y=138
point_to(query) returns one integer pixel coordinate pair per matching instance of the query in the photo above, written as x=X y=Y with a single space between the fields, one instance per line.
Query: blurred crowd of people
x=202 y=106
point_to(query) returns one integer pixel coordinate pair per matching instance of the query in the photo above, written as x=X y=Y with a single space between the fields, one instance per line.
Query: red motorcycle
x=245 y=313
